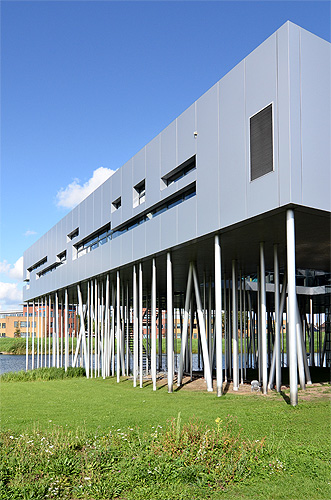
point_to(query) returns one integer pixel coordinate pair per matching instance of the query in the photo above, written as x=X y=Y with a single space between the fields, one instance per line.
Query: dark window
x=180 y=171
x=37 y=264
x=62 y=257
x=139 y=192
x=73 y=234
x=116 y=204
x=261 y=143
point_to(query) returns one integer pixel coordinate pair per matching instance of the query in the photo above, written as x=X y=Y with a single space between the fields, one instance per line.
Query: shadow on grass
x=226 y=387
x=285 y=397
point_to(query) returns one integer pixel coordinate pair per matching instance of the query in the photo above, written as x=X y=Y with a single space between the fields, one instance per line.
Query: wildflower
x=218 y=420
x=11 y=437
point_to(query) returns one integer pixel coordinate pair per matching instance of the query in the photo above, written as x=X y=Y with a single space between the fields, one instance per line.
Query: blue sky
x=85 y=85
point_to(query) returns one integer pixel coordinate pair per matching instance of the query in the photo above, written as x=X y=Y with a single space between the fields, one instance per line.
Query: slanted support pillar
x=153 y=306
x=170 y=325
x=202 y=329
x=218 y=317
x=263 y=328
x=290 y=235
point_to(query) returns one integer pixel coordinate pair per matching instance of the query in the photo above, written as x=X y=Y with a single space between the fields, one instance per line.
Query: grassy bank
x=296 y=442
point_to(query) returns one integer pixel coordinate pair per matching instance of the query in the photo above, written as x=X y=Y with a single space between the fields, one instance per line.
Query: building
x=40 y=318
x=229 y=201
x=11 y=323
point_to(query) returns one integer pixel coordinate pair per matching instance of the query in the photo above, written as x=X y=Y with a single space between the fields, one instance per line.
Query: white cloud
x=29 y=232
x=15 y=272
x=74 y=193
x=4 y=267
x=11 y=296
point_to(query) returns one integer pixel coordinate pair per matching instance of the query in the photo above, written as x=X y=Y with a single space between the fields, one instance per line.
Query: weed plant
x=42 y=374
x=128 y=462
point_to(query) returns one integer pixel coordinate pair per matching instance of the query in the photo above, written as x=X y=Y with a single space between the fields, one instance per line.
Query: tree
x=17 y=332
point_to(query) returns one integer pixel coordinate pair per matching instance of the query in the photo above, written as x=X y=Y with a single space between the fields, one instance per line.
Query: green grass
x=42 y=374
x=297 y=440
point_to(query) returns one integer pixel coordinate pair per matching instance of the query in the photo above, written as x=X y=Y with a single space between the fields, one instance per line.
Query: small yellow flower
x=218 y=420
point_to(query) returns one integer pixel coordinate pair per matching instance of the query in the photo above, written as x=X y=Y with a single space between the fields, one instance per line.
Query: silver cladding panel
x=291 y=70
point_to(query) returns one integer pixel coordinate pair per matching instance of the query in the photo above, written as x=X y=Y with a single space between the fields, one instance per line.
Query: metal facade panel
x=187 y=220
x=126 y=247
x=116 y=178
x=316 y=133
x=186 y=144
x=283 y=99
x=294 y=110
x=260 y=91
x=153 y=235
x=139 y=167
x=97 y=204
x=126 y=192
x=153 y=171
x=138 y=242
x=169 y=228
x=207 y=162
x=168 y=149
x=232 y=147
x=116 y=251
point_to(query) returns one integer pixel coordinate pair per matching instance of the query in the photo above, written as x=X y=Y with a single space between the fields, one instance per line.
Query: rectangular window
x=15 y=324
x=139 y=193
x=23 y=324
x=93 y=241
x=73 y=234
x=3 y=325
x=166 y=204
x=179 y=172
x=62 y=257
x=116 y=204
x=37 y=264
x=261 y=143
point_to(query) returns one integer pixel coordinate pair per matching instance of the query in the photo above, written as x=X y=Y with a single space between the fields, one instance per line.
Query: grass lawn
x=297 y=438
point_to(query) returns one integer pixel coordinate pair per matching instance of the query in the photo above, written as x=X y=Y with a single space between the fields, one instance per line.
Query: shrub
x=42 y=374
x=64 y=464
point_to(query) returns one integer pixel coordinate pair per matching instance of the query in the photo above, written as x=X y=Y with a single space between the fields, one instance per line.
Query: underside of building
x=209 y=250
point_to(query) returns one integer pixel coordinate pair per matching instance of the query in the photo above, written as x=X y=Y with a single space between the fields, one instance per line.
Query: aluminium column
x=41 y=332
x=118 y=327
x=263 y=329
x=27 y=338
x=140 y=308
x=235 y=327
x=32 y=334
x=218 y=317
x=290 y=236
x=38 y=332
x=135 y=326
x=241 y=330
x=49 y=330
x=66 y=336
x=170 y=325
x=277 y=321
x=153 y=305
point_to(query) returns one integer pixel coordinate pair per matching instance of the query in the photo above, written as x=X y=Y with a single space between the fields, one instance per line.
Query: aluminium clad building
x=220 y=209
